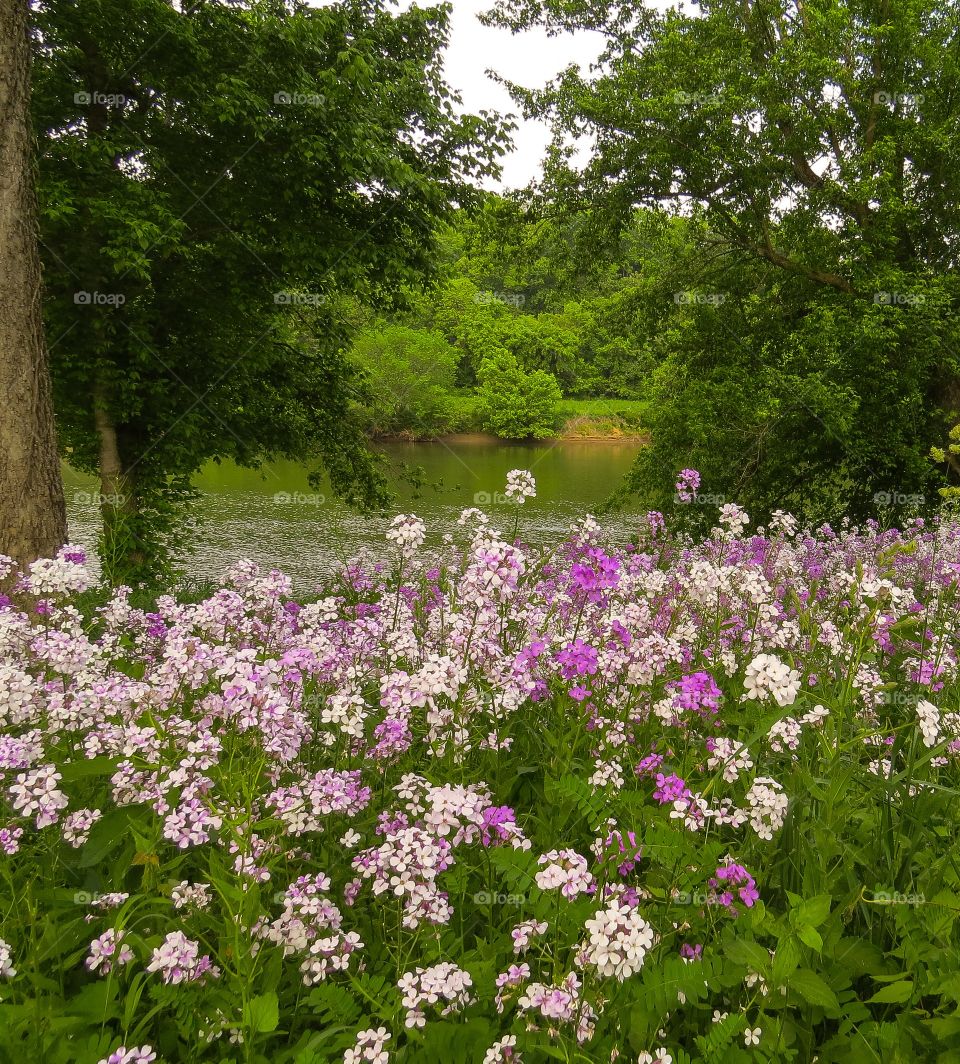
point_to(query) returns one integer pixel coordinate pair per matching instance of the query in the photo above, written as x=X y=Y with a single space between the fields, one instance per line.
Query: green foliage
x=513 y=404
x=811 y=360
x=412 y=374
x=214 y=179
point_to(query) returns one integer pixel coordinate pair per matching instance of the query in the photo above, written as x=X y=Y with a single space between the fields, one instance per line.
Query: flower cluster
x=619 y=939
x=566 y=870
x=527 y=782
x=520 y=486
x=443 y=986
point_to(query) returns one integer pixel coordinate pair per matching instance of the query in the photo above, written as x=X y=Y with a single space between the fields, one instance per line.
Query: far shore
x=486 y=439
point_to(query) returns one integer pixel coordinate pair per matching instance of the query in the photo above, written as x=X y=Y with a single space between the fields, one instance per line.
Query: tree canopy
x=213 y=179
x=813 y=147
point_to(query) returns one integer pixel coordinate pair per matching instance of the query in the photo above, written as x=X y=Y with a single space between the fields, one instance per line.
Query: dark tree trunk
x=33 y=519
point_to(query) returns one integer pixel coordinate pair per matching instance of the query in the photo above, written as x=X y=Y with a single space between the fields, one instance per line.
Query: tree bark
x=33 y=520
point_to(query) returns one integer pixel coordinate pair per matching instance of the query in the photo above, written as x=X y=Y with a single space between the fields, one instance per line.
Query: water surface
x=274 y=517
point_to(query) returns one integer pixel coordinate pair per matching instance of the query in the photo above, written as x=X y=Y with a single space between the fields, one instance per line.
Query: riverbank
x=587 y=420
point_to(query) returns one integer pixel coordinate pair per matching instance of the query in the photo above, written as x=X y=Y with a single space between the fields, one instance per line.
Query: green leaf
x=809 y=937
x=752 y=954
x=264 y=1013
x=812 y=988
x=786 y=959
x=812 y=912
x=894 y=994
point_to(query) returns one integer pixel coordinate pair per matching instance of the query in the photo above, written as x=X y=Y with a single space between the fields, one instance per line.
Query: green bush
x=516 y=405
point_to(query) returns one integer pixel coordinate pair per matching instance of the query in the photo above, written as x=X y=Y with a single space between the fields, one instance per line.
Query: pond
x=274 y=517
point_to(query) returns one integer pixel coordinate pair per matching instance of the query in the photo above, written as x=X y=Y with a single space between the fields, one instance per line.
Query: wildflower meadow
x=678 y=798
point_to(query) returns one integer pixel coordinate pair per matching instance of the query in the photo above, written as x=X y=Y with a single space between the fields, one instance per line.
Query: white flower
x=521 y=486
x=503 y=1051
x=618 y=942
x=369 y=1047
x=408 y=532
x=565 y=869
x=752 y=1038
x=733 y=518
x=7 y=971
x=929 y=717
x=768 y=806
x=768 y=675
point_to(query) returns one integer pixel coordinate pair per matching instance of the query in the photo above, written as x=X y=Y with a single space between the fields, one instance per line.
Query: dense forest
x=770 y=382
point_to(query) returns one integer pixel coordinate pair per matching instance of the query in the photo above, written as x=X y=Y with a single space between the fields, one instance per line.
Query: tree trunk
x=33 y=520
x=120 y=551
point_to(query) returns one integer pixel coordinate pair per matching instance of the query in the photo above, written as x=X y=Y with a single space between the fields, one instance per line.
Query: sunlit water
x=277 y=519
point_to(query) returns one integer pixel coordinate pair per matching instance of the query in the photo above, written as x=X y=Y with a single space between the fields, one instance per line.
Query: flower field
x=672 y=800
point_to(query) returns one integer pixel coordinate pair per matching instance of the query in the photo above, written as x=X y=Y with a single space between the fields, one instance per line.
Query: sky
x=530 y=58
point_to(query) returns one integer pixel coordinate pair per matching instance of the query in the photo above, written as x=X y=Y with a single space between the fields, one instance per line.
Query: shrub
x=515 y=405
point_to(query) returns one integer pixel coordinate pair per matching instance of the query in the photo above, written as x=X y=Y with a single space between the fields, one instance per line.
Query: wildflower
x=442 y=983
x=408 y=532
x=767 y=675
x=688 y=480
x=730 y=877
x=697 y=692
x=523 y=933
x=190 y=895
x=733 y=757
x=35 y=794
x=768 y=806
x=733 y=518
x=567 y=870
x=752 y=1037
x=929 y=718
x=520 y=486
x=7 y=971
x=618 y=941
x=370 y=1046
x=503 y=1051
x=76 y=827
x=107 y=953
x=178 y=960
x=134 y=1055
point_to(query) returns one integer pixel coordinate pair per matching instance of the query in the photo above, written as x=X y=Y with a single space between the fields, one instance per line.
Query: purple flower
x=493 y=826
x=688 y=480
x=734 y=877
x=577 y=659
x=670 y=789
x=697 y=692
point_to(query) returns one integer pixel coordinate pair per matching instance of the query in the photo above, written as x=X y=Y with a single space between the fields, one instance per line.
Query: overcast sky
x=529 y=58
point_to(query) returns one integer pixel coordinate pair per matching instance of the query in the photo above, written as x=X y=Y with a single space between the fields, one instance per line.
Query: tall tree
x=815 y=143
x=214 y=178
x=32 y=514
